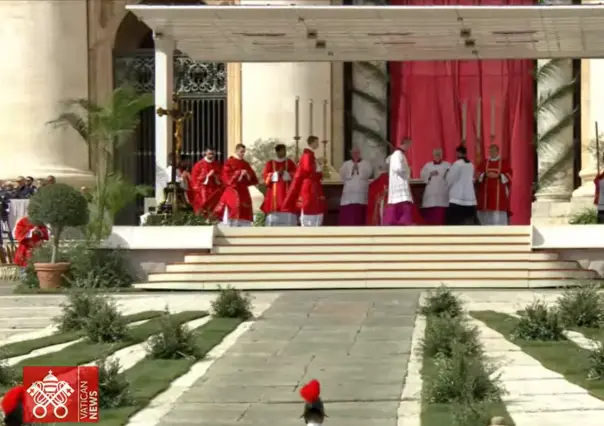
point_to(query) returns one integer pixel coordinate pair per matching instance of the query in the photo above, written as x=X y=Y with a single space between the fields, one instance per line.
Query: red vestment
x=377 y=199
x=276 y=191
x=207 y=185
x=236 y=196
x=29 y=236
x=306 y=192
x=597 y=180
x=491 y=193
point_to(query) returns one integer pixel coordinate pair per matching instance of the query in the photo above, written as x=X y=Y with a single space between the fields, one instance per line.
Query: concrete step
x=369 y=257
x=403 y=248
x=432 y=274
x=362 y=284
x=377 y=240
x=368 y=266
x=333 y=231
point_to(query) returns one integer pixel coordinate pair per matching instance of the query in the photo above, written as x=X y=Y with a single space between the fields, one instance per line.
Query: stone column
x=45 y=62
x=164 y=84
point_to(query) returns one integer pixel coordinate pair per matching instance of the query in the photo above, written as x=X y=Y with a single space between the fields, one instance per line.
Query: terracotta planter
x=50 y=275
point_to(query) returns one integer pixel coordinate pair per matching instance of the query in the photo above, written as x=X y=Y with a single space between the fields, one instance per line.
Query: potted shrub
x=57 y=206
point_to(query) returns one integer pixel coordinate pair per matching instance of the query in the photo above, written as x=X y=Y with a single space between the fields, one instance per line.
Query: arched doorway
x=201 y=85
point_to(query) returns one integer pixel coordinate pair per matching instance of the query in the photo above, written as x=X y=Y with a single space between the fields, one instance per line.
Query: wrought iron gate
x=202 y=87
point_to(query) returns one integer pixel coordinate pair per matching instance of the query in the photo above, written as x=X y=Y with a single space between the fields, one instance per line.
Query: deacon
x=29 y=236
x=235 y=205
x=599 y=196
x=400 y=209
x=355 y=174
x=436 y=195
x=493 y=192
x=377 y=198
x=314 y=410
x=305 y=195
x=206 y=183
x=278 y=174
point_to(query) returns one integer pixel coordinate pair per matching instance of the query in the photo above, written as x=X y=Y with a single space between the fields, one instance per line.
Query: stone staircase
x=369 y=257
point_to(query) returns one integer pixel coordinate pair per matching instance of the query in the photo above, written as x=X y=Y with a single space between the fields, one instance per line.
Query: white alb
x=436 y=193
x=356 y=182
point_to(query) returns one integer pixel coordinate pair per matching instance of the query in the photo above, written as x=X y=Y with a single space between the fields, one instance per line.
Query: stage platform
x=207 y=258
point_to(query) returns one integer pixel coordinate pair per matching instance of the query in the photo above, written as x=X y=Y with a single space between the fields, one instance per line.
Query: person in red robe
x=235 y=205
x=277 y=175
x=206 y=184
x=377 y=198
x=599 y=196
x=494 y=178
x=28 y=236
x=305 y=194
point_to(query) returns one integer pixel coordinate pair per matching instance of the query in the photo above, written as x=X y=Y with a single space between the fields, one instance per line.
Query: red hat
x=12 y=406
x=313 y=408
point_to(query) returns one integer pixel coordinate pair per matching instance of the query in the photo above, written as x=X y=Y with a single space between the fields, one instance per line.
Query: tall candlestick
x=325 y=120
x=464 y=118
x=493 y=119
x=297 y=117
x=310 y=114
x=479 y=119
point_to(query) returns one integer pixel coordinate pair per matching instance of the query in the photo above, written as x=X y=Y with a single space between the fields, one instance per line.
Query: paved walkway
x=355 y=343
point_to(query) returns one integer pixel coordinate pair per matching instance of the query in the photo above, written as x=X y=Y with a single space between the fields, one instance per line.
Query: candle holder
x=326 y=168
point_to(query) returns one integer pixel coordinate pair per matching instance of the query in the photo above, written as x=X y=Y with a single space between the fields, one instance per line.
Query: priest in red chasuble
x=493 y=193
x=206 y=183
x=599 y=196
x=235 y=205
x=278 y=175
x=305 y=194
x=377 y=198
x=28 y=236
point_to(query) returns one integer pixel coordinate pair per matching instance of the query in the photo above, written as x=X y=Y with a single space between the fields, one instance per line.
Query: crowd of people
x=455 y=193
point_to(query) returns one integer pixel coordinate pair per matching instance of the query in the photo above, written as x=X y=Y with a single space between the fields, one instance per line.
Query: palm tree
x=106 y=127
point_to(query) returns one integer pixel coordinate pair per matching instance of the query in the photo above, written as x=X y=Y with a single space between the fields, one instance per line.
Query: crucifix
x=174 y=194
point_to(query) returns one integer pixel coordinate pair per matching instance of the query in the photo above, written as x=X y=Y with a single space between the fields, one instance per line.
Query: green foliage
x=259 y=219
x=76 y=309
x=104 y=323
x=9 y=376
x=539 y=322
x=114 y=388
x=106 y=127
x=472 y=414
x=59 y=206
x=587 y=216
x=596 y=363
x=174 y=341
x=178 y=219
x=463 y=379
x=261 y=151
x=442 y=302
x=582 y=306
x=232 y=303
x=443 y=333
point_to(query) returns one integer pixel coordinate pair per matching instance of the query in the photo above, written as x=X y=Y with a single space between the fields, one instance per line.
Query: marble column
x=164 y=84
x=45 y=62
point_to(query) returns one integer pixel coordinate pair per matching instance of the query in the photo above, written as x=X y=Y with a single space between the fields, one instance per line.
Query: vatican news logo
x=61 y=394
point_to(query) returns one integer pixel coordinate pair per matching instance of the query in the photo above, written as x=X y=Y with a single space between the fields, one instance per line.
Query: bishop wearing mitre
x=278 y=174
x=494 y=178
x=305 y=195
x=436 y=195
x=377 y=197
x=206 y=183
x=235 y=205
x=355 y=174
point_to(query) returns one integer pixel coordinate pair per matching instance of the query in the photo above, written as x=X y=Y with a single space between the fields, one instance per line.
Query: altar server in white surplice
x=436 y=194
x=399 y=210
x=355 y=174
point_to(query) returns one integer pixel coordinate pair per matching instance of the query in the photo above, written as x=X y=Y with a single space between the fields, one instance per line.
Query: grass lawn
x=442 y=414
x=27 y=346
x=151 y=377
x=562 y=356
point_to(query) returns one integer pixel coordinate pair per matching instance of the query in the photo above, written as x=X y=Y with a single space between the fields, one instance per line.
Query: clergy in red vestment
x=377 y=198
x=277 y=175
x=599 y=196
x=235 y=205
x=305 y=194
x=493 y=193
x=28 y=236
x=206 y=183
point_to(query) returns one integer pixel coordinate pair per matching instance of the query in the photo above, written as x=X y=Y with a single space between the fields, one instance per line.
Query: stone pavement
x=356 y=343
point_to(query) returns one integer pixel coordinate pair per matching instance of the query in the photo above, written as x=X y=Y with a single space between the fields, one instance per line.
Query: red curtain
x=426 y=105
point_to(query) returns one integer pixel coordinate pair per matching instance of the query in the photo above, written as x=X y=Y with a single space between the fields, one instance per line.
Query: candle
x=479 y=119
x=493 y=117
x=310 y=114
x=297 y=117
x=464 y=116
x=325 y=120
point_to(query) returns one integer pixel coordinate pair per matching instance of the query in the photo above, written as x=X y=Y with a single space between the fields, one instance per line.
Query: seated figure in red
x=28 y=236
